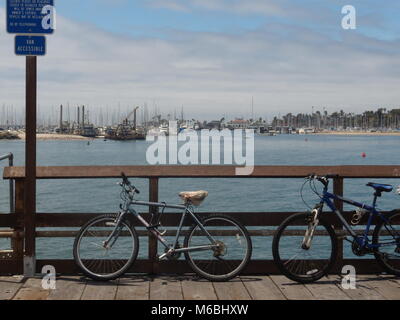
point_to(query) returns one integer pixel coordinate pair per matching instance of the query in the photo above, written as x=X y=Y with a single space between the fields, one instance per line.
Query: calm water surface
x=225 y=194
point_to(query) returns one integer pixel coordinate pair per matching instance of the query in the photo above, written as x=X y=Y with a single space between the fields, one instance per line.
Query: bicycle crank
x=171 y=254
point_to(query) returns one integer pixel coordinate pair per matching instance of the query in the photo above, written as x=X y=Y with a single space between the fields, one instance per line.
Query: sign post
x=30 y=167
x=30 y=18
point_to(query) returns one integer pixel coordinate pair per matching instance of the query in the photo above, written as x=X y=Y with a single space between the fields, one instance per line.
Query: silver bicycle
x=217 y=247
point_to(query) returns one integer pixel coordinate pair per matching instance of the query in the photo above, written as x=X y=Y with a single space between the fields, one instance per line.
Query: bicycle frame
x=171 y=247
x=328 y=198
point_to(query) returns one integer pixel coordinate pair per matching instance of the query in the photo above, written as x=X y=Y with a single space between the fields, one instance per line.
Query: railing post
x=10 y=158
x=17 y=244
x=30 y=167
x=338 y=188
x=153 y=243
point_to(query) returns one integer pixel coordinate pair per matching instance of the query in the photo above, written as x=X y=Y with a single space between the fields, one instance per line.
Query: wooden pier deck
x=369 y=287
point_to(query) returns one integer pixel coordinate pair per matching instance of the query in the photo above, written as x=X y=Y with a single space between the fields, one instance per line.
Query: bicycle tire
x=282 y=264
x=124 y=268
x=375 y=240
x=246 y=244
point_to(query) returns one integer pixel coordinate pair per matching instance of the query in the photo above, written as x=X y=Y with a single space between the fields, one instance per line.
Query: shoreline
x=56 y=137
x=355 y=133
x=70 y=137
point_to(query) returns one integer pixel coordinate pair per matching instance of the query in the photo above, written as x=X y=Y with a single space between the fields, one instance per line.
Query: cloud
x=243 y=7
x=211 y=74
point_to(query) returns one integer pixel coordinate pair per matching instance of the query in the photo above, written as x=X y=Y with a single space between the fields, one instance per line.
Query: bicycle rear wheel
x=98 y=262
x=224 y=261
x=304 y=265
x=387 y=235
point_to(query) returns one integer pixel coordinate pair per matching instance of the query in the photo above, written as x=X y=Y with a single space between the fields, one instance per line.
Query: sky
x=213 y=57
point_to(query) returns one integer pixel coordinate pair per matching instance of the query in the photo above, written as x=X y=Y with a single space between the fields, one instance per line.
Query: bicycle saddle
x=380 y=187
x=193 y=197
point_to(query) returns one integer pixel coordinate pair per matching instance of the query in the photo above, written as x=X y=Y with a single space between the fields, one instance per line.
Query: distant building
x=238 y=124
x=306 y=130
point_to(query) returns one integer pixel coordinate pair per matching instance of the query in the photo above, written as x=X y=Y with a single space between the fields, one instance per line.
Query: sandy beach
x=358 y=133
x=54 y=136
x=70 y=137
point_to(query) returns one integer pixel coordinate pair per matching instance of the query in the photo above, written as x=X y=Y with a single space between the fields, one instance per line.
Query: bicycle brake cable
x=301 y=195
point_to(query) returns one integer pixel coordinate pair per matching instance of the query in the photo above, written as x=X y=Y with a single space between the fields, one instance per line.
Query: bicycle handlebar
x=126 y=182
x=323 y=179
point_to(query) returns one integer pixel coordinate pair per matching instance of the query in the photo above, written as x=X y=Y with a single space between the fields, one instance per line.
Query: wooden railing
x=23 y=223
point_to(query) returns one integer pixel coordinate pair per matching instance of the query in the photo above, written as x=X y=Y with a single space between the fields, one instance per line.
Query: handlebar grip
x=124 y=178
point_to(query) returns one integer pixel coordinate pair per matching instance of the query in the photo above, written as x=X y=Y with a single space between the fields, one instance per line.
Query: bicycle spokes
x=304 y=249
x=226 y=255
x=103 y=249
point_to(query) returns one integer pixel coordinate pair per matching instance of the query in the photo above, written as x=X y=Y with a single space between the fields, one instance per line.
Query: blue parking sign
x=30 y=16
x=30 y=45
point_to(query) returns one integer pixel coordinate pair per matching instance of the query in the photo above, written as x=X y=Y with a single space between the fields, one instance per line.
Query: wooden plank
x=166 y=288
x=388 y=289
x=153 y=242
x=172 y=219
x=167 y=233
x=8 y=220
x=292 y=290
x=17 y=244
x=9 y=287
x=30 y=165
x=363 y=290
x=11 y=267
x=231 y=290
x=262 y=288
x=338 y=189
x=134 y=288
x=100 y=290
x=327 y=289
x=255 y=267
x=198 y=289
x=32 y=290
x=68 y=288
x=211 y=171
x=395 y=279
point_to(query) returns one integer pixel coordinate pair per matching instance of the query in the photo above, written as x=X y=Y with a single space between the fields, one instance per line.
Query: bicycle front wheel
x=231 y=249
x=387 y=239
x=300 y=264
x=101 y=262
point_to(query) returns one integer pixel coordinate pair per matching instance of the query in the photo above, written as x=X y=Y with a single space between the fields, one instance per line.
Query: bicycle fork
x=112 y=238
x=312 y=224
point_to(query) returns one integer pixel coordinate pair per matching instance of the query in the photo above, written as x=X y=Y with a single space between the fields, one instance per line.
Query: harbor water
x=225 y=195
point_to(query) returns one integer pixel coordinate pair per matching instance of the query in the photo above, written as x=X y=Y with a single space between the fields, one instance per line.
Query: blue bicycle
x=305 y=245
